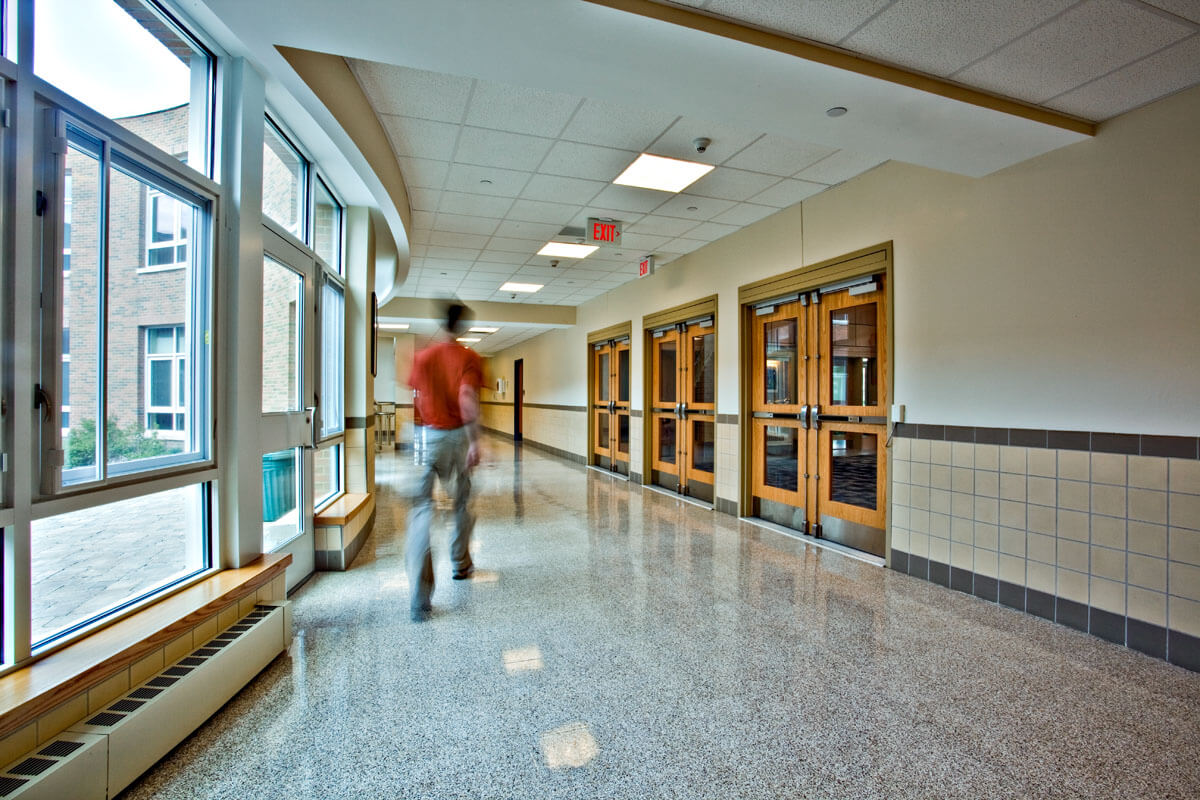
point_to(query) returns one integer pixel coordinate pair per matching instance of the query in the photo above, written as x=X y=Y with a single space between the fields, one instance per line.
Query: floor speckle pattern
x=618 y=643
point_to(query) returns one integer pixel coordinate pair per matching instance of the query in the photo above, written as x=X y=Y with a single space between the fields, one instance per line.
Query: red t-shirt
x=438 y=372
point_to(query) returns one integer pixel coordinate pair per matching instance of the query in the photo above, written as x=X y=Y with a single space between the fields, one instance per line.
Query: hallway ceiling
x=550 y=99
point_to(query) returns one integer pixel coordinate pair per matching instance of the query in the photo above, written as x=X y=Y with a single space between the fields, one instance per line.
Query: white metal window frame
x=319 y=181
x=332 y=354
x=125 y=152
x=304 y=190
x=177 y=358
x=337 y=444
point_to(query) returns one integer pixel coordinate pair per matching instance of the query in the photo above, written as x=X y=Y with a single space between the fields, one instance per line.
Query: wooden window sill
x=341 y=510
x=30 y=691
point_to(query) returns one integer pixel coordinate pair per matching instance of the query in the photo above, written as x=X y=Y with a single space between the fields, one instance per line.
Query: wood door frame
x=877 y=259
x=618 y=331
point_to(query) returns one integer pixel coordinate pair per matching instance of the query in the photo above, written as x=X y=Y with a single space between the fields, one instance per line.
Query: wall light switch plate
x=898 y=413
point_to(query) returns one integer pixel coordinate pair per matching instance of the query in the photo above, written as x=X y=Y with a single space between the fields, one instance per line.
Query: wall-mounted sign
x=602 y=232
x=646 y=266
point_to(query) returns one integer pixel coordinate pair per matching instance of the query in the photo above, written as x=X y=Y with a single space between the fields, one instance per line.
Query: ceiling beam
x=845 y=60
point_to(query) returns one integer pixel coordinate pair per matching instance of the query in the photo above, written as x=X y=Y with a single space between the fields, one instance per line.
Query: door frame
x=518 y=399
x=702 y=307
x=621 y=330
x=874 y=260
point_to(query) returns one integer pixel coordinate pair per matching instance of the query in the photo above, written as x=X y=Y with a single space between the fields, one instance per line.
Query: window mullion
x=102 y=315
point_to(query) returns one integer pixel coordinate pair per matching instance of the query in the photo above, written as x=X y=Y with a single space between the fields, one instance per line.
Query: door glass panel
x=666 y=440
x=622 y=376
x=667 y=372
x=703 y=445
x=781 y=454
x=602 y=376
x=854 y=468
x=281 y=518
x=704 y=388
x=781 y=365
x=623 y=433
x=854 y=356
x=602 y=434
x=283 y=299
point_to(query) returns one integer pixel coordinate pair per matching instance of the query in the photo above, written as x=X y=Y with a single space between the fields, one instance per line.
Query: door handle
x=815 y=416
x=683 y=414
x=804 y=417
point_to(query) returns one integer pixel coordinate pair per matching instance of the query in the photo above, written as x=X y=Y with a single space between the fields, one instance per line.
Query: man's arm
x=468 y=406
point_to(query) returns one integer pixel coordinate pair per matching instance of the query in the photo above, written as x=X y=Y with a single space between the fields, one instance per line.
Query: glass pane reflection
x=666 y=440
x=602 y=376
x=704 y=388
x=623 y=433
x=602 y=430
x=855 y=468
x=703 y=445
x=780 y=368
x=781 y=457
x=854 y=362
x=622 y=376
x=667 y=370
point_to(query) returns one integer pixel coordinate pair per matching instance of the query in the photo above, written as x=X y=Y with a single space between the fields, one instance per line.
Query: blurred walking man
x=446 y=378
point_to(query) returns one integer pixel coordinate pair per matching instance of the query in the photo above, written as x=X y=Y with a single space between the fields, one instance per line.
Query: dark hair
x=454 y=314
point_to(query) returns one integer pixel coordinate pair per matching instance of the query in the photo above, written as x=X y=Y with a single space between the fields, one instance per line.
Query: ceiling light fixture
x=393 y=326
x=836 y=111
x=469 y=339
x=482 y=330
x=565 y=250
x=521 y=287
x=662 y=174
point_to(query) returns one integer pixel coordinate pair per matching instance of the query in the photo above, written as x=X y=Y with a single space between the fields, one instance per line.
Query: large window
x=134 y=63
x=167 y=223
x=333 y=348
x=138 y=373
x=327 y=226
x=285 y=181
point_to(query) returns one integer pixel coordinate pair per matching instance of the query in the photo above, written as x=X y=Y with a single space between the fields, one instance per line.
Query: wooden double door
x=683 y=407
x=819 y=413
x=610 y=405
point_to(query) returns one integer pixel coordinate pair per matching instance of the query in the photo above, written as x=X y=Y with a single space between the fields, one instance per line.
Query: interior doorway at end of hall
x=518 y=398
x=818 y=399
x=682 y=403
x=609 y=400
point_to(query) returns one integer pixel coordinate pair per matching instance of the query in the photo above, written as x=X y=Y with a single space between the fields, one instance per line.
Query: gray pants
x=445 y=458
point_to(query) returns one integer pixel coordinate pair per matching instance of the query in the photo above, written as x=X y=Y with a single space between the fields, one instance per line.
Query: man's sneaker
x=423 y=613
x=463 y=574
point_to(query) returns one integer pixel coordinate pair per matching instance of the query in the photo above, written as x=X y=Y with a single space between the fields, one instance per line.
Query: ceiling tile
x=681 y=206
x=731 y=184
x=537 y=211
x=502 y=259
x=657 y=224
x=419 y=236
x=423 y=172
x=629 y=199
x=436 y=265
x=744 y=214
x=841 y=166
x=677 y=141
x=788 y=192
x=519 y=110
x=711 y=231
x=1188 y=9
x=942 y=36
x=1086 y=42
x=422 y=220
x=458 y=223
x=413 y=92
x=627 y=218
x=642 y=242
x=536 y=274
x=474 y=204
x=424 y=199
x=420 y=137
x=418 y=250
x=613 y=125
x=776 y=155
x=490 y=148
x=542 y=231
x=811 y=19
x=448 y=239
x=684 y=245
x=456 y=253
x=587 y=161
x=506 y=245
x=1167 y=71
x=490 y=265
x=557 y=189
x=468 y=178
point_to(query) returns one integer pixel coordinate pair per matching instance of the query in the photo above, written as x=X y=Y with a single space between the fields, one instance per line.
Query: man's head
x=454 y=314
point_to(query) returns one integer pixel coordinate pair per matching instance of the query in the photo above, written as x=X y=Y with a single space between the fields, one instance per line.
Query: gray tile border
x=1133 y=444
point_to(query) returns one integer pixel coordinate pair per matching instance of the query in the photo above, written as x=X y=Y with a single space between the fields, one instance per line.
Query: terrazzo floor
x=619 y=643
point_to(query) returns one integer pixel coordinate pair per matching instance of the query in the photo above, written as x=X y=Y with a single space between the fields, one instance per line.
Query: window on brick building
x=167 y=222
x=166 y=381
x=285 y=177
x=327 y=226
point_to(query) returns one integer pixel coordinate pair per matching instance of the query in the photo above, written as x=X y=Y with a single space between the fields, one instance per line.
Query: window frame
x=128 y=154
x=304 y=201
x=176 y=358
x=318 y=180
x=152 y=195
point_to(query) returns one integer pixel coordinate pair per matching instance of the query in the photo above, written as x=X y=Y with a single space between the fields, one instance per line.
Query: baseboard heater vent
x=101 y=755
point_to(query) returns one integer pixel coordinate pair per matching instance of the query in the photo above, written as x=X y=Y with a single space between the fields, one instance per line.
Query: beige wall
x=1058 y=294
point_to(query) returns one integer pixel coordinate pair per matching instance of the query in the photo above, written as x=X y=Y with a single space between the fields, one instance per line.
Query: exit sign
x=603 y=232
x=646 y=266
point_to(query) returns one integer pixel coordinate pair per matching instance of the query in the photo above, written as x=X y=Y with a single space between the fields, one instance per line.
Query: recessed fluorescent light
x=521 y=287
x=484 y=330
x=393 y=326
x=663 y=174
x=469 y=339
x=564 y=250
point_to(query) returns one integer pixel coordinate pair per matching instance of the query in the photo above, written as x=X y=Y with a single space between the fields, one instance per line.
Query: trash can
x=279 y=484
